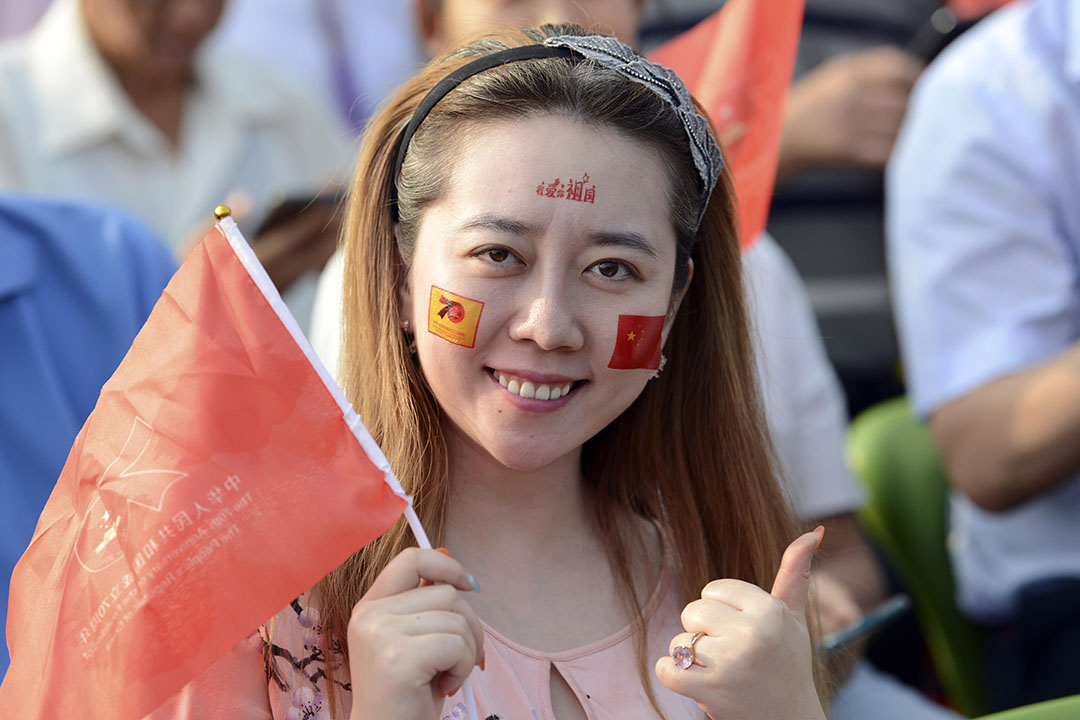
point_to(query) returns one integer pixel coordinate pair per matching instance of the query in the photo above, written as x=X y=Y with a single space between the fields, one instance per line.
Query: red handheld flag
x=738 y=64
x=220 y=475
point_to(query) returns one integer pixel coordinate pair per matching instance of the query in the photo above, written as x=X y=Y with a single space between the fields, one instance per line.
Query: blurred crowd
x=924 y=240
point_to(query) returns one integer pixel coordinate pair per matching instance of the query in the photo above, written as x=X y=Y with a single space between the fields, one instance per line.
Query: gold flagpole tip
x=222 y=211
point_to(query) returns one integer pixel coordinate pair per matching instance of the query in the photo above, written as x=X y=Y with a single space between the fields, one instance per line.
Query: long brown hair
x=691 y=453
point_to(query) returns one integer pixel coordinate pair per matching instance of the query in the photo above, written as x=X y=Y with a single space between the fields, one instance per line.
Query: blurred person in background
x=984 y=251
x=351 y=52
x=76 y=283
x=803 y=401
x=445 y=23
x=856 y=65
x=122 y=102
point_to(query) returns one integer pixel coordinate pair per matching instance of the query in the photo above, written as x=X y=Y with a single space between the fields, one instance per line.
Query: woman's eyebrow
x=604 y=238
x=499 y=224
x=625 y=239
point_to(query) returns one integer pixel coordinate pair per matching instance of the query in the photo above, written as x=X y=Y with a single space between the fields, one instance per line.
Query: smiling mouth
x=533 y=390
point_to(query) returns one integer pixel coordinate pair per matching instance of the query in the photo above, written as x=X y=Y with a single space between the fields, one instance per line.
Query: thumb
x=792 y=582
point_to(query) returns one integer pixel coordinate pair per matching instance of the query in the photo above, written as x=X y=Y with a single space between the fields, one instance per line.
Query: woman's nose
x=550 y=319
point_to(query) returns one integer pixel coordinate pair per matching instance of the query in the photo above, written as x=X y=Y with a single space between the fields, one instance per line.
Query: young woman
x=520 y=260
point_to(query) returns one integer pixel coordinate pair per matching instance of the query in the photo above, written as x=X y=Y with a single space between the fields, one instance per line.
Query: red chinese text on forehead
x=577 y=190
x=453 y=317
x=637 y=346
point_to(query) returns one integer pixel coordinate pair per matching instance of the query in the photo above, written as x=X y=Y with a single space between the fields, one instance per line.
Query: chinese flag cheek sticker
x=637 y=346
x=453 y=317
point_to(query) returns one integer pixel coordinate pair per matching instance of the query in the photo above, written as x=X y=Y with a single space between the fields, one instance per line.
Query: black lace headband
x=610 y=53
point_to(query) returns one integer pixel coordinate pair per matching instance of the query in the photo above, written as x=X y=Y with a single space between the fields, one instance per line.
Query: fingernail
x=444 y=551
x=820 y=530
x=483 y=657
x=475 y=585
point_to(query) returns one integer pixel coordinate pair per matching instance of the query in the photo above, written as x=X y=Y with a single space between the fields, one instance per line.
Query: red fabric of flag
x=738 y=64
x=638 y=343
x=972 y=9
x=220 y=474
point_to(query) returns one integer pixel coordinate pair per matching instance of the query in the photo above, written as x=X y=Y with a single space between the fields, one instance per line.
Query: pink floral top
x=514 y=685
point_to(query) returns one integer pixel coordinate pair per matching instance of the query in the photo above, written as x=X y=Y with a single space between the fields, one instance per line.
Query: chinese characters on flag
x=219 y=448
x=637 y=345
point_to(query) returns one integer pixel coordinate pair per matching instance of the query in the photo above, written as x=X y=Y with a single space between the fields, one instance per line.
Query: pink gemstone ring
x=684 y=655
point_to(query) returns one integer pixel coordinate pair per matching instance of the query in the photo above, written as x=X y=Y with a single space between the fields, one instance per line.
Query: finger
x=445 y=622
x=793 y=578
x=710 y=616
x=456 y=662
x=433 y=600
x=688 y=682
x=428 y=598
x=435 y=657
x=738 y=594
x=411 y=566
x=445 y=552
x=704 y=648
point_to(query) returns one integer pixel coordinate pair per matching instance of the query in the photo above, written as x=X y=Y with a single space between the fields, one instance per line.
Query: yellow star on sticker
x=631 y=336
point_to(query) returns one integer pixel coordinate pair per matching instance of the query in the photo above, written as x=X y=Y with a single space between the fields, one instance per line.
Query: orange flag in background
x=738 y=64
x=221 y=474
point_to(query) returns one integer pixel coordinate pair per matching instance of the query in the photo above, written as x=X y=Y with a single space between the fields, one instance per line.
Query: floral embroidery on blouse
x=295 y=656
x=300 y=667
x=458 y=713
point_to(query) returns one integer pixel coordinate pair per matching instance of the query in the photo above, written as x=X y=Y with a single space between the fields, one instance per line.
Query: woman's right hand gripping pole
x=412 y=639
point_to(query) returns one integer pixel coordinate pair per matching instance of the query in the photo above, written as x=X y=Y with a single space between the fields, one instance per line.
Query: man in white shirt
x=122 y=102
x=984 y=252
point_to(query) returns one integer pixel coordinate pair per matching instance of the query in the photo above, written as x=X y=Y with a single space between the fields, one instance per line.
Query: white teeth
x=529 y=389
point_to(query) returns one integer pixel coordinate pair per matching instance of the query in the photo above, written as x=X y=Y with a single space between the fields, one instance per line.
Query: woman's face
x=548 y=232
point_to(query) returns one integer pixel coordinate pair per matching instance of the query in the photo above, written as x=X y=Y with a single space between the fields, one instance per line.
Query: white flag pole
x=374 y=452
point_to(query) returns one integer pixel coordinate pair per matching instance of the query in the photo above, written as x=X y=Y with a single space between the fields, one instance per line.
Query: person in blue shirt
x=77 y=281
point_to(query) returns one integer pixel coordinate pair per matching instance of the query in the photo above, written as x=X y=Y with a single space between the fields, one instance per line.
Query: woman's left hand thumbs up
x=752 y=656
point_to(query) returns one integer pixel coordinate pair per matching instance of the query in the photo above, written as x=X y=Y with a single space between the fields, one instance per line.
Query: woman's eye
x=612 y=269
x=608 y=269
x=498 y=259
